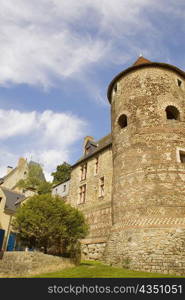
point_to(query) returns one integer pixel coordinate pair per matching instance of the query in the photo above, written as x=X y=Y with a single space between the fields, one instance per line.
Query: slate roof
x=54 y=186
x=12 y=198
x=7 y=175
x=103 y=143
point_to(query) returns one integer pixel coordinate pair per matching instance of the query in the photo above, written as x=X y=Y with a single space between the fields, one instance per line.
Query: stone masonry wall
x=97 y=210
x=93 y=251
x=160 y=250
x=148 y=176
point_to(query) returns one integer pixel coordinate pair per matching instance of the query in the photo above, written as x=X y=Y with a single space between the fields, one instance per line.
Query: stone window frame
x=162 y=110
x=179 y=150
x=127 y=114
x=174 y=112
x=83 y=172
x=82 y=194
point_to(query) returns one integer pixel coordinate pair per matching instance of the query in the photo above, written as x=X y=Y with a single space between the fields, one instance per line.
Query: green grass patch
x=95 y=269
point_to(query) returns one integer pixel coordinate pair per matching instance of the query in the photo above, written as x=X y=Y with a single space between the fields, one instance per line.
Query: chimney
x=86 y=139
x=9 y=169
x=21 y=162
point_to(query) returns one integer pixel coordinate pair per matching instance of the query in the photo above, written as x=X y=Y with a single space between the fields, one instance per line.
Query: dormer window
x=172 y=113
x=89 y=146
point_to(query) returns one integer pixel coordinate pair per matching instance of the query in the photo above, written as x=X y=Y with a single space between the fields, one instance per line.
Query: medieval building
x=130 y=184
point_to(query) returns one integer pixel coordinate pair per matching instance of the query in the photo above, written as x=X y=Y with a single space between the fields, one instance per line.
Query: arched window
x=172 y=113
x=122 y=121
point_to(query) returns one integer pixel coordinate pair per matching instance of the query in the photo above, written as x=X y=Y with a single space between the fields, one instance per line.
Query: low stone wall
x=21 y=263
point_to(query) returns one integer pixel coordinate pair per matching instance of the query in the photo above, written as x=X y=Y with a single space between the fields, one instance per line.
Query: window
x=83 y=172
x=64 y=187
x=172 y=113
x=82 y=193
x=182 y=156
x=115 y=88
x=96 y=166
x=179 y=82
x=0 y=199
x=101 y=187
x=122 y=121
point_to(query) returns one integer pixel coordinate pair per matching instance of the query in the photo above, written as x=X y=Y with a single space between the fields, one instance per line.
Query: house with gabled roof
x=9 y=202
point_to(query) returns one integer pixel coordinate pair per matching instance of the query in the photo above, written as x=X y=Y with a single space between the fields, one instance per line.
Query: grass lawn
x=94 y=269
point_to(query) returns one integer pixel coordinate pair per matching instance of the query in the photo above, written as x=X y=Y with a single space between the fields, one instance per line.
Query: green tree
x=45 y=221
x=35 y=179
x=44 y=187
x=62 y=173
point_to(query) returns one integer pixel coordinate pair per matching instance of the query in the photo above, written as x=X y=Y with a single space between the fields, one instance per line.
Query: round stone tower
x=148 y=199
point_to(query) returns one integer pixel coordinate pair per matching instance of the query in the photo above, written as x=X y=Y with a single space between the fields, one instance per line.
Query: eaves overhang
x=141 y=66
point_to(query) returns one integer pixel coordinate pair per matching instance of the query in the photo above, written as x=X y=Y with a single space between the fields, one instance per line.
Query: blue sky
x=57 y=58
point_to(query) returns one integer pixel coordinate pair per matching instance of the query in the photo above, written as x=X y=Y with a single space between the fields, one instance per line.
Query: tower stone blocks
x=148 y=147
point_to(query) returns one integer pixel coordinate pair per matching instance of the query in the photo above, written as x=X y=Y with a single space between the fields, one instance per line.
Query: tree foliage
x=47 y=221
x=35 y=180
x=62 y=173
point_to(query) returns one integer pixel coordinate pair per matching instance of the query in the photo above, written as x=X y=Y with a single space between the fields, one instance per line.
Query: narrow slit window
x=115 y=88
x=179 y=82
x=96 y=166
x=101 y=187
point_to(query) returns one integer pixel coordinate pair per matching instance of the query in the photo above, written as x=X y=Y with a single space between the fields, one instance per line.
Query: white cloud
x=14 y=123
x=41 y=40
x=49 y=135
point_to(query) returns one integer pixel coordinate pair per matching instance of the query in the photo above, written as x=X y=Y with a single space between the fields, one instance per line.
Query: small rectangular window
x=0 y=199
x=182 y=156
x=64 y=188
